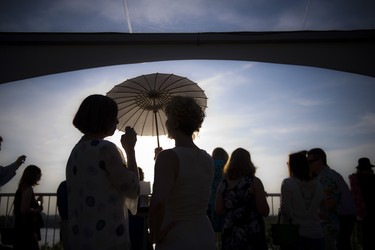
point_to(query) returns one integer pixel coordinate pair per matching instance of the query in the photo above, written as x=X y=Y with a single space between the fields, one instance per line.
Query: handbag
x=284 y=234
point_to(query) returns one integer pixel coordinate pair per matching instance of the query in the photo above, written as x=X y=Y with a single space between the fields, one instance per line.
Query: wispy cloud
x=309 y=102
x=183 y=16
x=266 y=108
x=366 y=124
x=217 y=84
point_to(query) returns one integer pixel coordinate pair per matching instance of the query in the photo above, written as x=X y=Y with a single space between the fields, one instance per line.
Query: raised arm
x=128 y=141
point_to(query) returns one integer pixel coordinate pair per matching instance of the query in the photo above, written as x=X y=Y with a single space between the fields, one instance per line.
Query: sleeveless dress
x=243 y=227
x=27 y=232
x=187 y=204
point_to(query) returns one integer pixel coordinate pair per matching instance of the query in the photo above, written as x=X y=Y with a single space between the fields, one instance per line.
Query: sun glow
x=144 y=150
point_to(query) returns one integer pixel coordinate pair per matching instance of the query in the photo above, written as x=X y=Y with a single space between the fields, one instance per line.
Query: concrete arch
x=27 y=55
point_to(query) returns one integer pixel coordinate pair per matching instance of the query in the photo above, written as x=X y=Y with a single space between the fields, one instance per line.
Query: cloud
x=330 y=15
x=366 y=124
x=217 y=84
x=183 y=16
x=309 y=102
x=268 y=109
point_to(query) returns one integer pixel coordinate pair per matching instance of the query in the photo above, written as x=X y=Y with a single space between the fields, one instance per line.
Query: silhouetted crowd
x=198 y=201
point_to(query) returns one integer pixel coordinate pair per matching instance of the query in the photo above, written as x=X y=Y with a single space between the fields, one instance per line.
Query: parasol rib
x=138 y=97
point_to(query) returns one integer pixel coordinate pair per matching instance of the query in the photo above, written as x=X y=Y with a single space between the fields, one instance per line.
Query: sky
x=269 y=109
x=184 y=16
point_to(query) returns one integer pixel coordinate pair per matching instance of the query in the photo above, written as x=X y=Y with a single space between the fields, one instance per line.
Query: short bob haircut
x=30 y=176
x=184 y=114
x=239 y=165
x=96 y=114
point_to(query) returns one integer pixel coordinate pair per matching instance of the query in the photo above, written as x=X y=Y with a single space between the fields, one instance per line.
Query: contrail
x=307 y=10
x=127 y=16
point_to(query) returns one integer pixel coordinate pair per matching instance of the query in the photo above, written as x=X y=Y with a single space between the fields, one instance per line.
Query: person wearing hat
x=364 y=164
x=362 y=184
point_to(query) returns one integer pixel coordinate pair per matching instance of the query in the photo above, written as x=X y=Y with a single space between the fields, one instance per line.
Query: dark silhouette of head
x=96 y=114
x=31 y=176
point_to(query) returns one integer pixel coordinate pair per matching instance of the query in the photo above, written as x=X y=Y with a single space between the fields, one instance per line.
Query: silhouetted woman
x=301 y=201
x=182 y=182
x=220 y=157
x=27 y=210
x=242 y=200
x=101 y=187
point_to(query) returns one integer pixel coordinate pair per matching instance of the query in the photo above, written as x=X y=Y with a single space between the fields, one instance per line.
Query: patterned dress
x=327 y=178
x=100 y=192
x=243 y=226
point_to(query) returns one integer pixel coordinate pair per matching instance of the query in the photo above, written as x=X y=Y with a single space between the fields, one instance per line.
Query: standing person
x=27 y=211
x=327 y=177
x=362 y=184
x=101 y=188
x=145 y=190
x=301 y=199
x=347 y=215
x=138 y=223
x=242 y=200
x=220 y=157
x=62 y=206
x=8 y=172
x=182 y=182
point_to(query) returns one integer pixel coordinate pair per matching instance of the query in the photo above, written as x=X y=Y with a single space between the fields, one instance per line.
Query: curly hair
x=183 y=114
x=239 y=165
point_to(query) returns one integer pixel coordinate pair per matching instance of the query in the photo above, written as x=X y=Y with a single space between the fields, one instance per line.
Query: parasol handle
x=157 y=128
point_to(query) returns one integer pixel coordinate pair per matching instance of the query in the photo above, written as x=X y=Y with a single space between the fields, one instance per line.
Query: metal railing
x=50 y=232
x=273 y=200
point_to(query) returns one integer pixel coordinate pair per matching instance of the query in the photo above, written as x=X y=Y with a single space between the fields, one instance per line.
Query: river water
x=50 y=236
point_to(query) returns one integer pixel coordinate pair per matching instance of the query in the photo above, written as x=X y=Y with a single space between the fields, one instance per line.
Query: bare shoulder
x=167 y=161
x=166 y=172
x=166 y=156
x=258 y=183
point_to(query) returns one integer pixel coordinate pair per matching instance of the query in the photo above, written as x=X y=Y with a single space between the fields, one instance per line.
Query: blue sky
x=269 y=109
x=184 y=16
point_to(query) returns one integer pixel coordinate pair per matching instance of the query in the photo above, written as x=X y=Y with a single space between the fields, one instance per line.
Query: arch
x=27 y=55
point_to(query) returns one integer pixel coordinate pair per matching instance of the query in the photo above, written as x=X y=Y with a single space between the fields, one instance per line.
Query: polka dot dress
x=99 y=186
